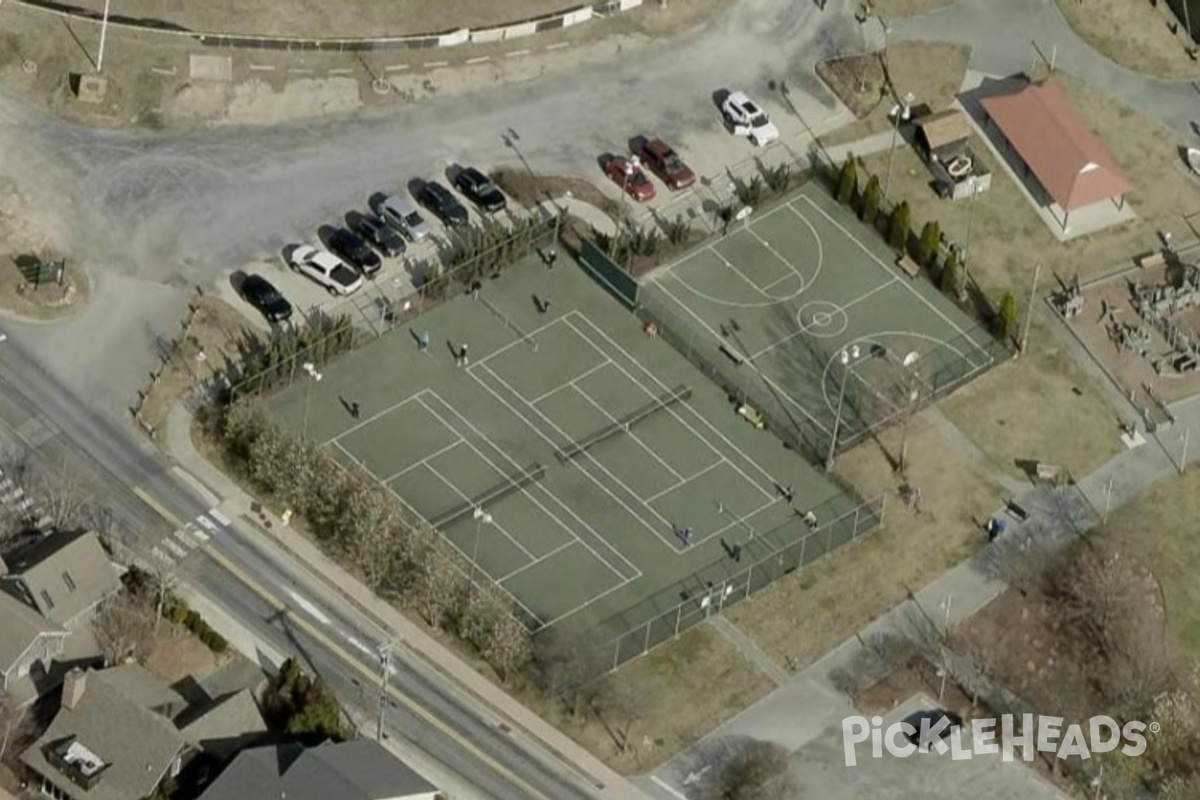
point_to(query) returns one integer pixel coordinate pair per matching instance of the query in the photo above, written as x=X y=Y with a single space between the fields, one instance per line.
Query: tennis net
x=622 y=425
x=494 y=494
x=508 y=323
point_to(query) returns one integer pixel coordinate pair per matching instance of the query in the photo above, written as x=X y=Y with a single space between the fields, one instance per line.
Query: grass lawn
x=1133 y=33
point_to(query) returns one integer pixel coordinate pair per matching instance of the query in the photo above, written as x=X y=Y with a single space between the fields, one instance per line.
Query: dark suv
x=440 y=201
x=480 y=190
x=354 y=251
x=262 y=294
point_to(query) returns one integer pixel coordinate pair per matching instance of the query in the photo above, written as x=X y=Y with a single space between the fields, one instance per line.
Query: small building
x=1057 y=149
x=943 y=139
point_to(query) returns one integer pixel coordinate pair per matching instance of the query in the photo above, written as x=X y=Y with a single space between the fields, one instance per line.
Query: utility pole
x=103 y=36
x=845 y=357
x=902 y=112
x=1037 y=273
x=385 y=671
x=1183 y=458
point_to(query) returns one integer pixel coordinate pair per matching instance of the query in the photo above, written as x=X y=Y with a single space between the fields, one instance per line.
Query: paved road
x=280 y=604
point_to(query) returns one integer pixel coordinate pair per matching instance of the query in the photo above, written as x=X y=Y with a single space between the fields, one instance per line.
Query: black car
x=260 y=293
x=380 y=234
x=437 y=198
x=480 y=190
x=933 y=720
x=355 y=251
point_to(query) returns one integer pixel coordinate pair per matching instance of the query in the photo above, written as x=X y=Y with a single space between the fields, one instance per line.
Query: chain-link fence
x=382 y=307
x=772 y=554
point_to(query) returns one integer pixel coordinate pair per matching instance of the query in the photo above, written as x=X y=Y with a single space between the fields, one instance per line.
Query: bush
x=900 y=227
x=751 y=193
x=779 y=178
x=678 y=230
x=950 y=281
x=178 y=611
x=213 y=640
x=927 y=250
x=192 y=621
x=872 y=197
x=1006 y=316
x=847 y=182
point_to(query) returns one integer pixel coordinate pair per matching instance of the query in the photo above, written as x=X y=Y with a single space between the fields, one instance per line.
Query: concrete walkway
x=236 y=504
x=750 y=649
x=1002 y=37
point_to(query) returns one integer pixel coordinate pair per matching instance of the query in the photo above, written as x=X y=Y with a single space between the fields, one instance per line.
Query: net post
x=646 y=644
x=800 y=558
x=750 y=581
x=857 y=510
x=678 y=616
x=616 y=653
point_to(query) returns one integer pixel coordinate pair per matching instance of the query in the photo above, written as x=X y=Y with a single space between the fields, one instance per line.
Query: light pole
x=912 y=397
x=313 y=375
x=846 y=356
x=481 y=518
x=1108 y=487
x=901 y=113
x=962 y=289
x=1183 y=457
x=631 y=165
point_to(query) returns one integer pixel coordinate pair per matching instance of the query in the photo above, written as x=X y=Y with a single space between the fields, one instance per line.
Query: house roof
x=65 y=574
x=137 y=744
x=357 y=770
x=1053 y=140
x=20 y=627
x=944 y=127
x=139 y=686
x=226 y=725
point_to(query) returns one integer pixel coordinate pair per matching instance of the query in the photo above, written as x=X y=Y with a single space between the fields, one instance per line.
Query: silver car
x=401 y=213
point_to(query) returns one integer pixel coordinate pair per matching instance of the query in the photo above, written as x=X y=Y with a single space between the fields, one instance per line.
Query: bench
x=1151 y=260
x=732 y=355
x=910 y=267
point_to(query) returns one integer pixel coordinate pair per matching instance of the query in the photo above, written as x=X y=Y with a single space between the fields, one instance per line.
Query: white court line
x=682 y=481
x=553 y=497
x=962 y=334
x=720 y=341
x=531 y=335
x=628 y=432
x=310 y=608
x=770 y=480
x=216 y=514
x=592 y=459
x=467 y=499
x=778 y=281
x=622 y=581
x=424 y=461
x=774 y=252
x=568 y=384
x=534 y=563
x=740 y=274
x=801 y=331
x=368 y=421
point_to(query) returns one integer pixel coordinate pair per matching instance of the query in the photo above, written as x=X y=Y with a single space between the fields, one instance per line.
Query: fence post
x=678 y=616
x=646 y=644
x=616 y=653
x=882 y=505
x=800 y=560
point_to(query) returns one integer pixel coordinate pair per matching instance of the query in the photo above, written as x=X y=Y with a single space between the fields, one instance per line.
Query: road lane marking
x=174 y=548
x=311 y=609
x=339 y=652
x=207 y=523
x=219 y=517
x=668 y=787
x=158 y=507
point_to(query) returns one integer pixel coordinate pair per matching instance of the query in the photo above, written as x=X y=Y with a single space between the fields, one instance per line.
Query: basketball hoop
x=911 y=358
x=650 y=329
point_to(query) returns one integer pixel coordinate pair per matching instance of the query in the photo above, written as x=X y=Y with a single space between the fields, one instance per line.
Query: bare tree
x=438 y=587
x=620 y=703
x=123 y=627
x=369 y=532
x=566 y=662
x=506 y=646
x=754 y=770
x=60 y=491
x=13 y=720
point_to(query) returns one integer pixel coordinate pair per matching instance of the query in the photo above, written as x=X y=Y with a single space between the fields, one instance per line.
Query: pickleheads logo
x=942 y=732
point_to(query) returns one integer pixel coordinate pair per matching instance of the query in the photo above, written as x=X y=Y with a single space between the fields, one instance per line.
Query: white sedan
x=325 y=268
x=744 y=118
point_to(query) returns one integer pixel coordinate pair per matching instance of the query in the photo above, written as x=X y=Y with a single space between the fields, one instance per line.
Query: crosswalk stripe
x=174 y=548
x=206 y=522
x=219 y=517
x=45 y=521
x=201 y=535
x=161 y=556
x=182 y=535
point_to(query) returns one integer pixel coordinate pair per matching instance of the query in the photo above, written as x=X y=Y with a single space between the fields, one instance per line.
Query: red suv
x=664 y=162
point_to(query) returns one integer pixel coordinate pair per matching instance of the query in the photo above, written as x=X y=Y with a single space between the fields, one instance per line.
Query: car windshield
x=638 y=178
x=751 y=109
x=758 y=121
x=344 y=275
x=672 y=163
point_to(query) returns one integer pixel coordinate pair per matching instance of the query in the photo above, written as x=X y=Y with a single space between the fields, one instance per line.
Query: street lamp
x=847 y=355
x=103 y=36
x=975 y=186
x=311 y=369
x=481 y=518
x=631 y=165
x=901 y=113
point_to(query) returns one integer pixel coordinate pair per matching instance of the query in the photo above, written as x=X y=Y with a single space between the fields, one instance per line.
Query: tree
x=931 y=237
x=124 y=627
x=507 y=647
x=872 y=197
x=619 y=703
x=13 y=719
x=847 y=182
x=565 y=661
x=60 y=492
x=756 y=770
x=300 y=706
x=950 y=280
x=900 y=227
x=1006 y=316
x=438 y=587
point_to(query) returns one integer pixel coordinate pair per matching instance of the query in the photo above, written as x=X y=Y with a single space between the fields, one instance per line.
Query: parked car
x=480 y=190
x=661 y=159
x=442 y=203
x=323 y=267
x=355 y=251
x=382 y=235
x=932 y=718
x=262 y=294
x=630 y=178
x=402 y=214
x=744 y=118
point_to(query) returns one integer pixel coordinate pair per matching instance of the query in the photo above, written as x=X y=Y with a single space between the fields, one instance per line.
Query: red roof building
x=1057 y=147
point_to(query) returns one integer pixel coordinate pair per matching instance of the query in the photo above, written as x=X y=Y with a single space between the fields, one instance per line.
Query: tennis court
x=804 y=310
x=588 y=469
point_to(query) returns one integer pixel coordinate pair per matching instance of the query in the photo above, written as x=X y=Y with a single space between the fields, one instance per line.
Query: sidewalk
x=237 y=504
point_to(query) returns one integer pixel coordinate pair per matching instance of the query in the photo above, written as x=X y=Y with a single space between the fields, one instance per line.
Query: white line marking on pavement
x=558 y=46
x=435 y=64
x=341 y=72
x=199 y=534
x=182 y=535
x=310 y=609
x=517 y=53
x=207 y=523
x=668 y=787
x=396 y=68
x=357 y=645
x=479 y=60
x=301 y=71
x=178 y=551
x=262 y=68
x=219 y=517
x=161 y=71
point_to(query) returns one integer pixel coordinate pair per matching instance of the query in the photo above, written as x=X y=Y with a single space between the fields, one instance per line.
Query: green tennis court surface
x=570 y=454
x=803 y=310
